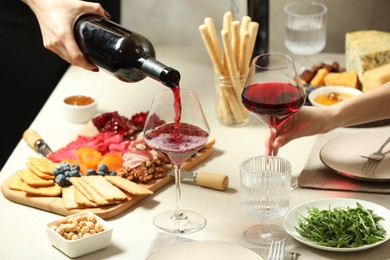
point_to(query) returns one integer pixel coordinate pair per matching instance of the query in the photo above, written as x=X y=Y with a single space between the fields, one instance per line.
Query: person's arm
x=56 y=19
x=368 y=107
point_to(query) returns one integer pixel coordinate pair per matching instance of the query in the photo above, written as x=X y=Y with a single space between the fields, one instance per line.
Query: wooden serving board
x=55 y=204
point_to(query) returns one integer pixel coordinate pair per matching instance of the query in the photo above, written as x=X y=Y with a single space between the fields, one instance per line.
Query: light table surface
x=23 y=234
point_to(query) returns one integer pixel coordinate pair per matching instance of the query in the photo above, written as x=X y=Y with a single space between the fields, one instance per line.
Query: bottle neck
x=159 y=71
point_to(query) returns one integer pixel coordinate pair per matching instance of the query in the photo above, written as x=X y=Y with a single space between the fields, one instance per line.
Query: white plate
x=328 y=89
x=290 y=220
x=342 y=154
x=205 y=250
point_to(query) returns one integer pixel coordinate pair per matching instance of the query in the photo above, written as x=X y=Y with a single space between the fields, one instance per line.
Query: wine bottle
x=258 y=10
x=127 y=55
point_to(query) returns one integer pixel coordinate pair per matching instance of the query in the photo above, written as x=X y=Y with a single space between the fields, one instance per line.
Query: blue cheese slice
x=366 y=50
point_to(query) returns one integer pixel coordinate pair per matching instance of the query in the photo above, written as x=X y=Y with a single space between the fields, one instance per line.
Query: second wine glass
x=177 y=128
x=273 y=91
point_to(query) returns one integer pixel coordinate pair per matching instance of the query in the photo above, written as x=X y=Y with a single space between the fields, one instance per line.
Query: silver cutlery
x=36 y=142
x=276 y=251
x=378 y=155
x=374 y=159
x=294 y=255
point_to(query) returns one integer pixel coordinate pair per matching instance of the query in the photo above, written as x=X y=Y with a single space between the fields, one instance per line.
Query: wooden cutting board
x=55 y=204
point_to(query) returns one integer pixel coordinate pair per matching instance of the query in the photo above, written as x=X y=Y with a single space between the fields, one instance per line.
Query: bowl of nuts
x=79 y=234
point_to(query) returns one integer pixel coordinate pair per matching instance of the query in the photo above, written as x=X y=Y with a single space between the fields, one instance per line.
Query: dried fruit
x=114 y=122
x=139 y=120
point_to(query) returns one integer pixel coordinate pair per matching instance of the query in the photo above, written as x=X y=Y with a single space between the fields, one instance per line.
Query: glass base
x=185 y=223
x=294 y=183
x=265 y=234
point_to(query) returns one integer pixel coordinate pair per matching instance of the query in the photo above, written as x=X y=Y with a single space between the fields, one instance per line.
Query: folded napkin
x=317 y=176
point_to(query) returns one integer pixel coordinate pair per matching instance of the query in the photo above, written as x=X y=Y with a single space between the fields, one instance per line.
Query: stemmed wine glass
x=265 y=186
x=177 y=128
x=273 y=91
x=305 y=29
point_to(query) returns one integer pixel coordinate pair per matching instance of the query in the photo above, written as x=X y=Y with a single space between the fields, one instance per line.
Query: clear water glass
x=265 y=190
x=305 y=28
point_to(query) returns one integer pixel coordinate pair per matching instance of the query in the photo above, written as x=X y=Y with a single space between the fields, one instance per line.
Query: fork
x=378 y=155
x=276 y=251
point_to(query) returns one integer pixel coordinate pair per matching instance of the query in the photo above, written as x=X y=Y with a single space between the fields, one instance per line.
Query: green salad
x=341 y=227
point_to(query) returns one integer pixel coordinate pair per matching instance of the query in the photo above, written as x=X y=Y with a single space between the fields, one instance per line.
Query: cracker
x=106 y=189
x=68 y=197
x=16 y=184
x=82 y=201
x=74 y=199
x=38 y=172
x=127 y=185
x=88 y=191
x=43 y=164
x=32 y=179
x=48 y=191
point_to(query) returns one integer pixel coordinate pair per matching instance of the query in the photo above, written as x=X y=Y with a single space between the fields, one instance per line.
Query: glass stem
x=179 y=209
x=274 y=134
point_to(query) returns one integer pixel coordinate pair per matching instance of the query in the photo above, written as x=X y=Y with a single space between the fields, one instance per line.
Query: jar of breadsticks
x=231 y=61
x=229 y=109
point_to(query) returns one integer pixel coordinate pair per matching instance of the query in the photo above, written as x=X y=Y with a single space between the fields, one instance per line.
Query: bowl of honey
x=79 y=108
x=330 y=95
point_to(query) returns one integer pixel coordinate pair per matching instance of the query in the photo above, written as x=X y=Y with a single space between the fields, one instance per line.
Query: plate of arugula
x=339 y=224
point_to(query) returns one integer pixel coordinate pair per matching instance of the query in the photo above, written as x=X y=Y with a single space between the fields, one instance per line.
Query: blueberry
x=60 y=180
x=64 y=164
x=67 y=173
x=75 y=167
x=74 y=173
x=102 y=167
x=57 y=171
x=67 y=181
x=91 y=172
x=101 y=173
x=111 y=173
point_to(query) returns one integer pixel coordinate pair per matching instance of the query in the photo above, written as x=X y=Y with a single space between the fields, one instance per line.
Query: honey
x=331 y=98
x=79 y=100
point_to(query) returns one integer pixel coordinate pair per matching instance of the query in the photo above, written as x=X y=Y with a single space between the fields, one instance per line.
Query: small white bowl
x=81 y=246
x=328 y=89
x=79 y=108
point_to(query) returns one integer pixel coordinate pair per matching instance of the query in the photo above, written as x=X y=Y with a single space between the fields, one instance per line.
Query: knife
x=206 y=179
x=35 y=141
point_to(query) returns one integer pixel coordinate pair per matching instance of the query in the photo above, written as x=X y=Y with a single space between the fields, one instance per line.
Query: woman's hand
x=307 y=121
x=56 y=19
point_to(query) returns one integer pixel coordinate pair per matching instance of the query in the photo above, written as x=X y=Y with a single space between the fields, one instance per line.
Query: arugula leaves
x=342 y=227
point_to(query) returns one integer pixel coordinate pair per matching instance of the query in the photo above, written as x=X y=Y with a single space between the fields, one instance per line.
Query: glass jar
x=229 y=109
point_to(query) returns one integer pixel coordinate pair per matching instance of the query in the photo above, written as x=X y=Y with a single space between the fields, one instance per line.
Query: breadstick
x=236 y=40
x=210 y=48
x=231 y=63
x=245 y=23
x=209 y=22
x=227 y=25
x=243 y=57
x=253 y=29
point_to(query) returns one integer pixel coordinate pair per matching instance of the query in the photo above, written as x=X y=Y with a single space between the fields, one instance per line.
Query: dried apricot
x=113 y=161
x=89 y=157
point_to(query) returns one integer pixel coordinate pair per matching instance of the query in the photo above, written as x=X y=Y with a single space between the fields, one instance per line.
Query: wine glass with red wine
x=273 y=91
x=177 y=128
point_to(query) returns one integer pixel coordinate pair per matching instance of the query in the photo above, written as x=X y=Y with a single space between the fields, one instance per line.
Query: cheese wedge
x=376 y=77
x=366 y=50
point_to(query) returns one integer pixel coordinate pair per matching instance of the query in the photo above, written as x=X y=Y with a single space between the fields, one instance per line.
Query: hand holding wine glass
x=273 y=90
x=177 y=128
